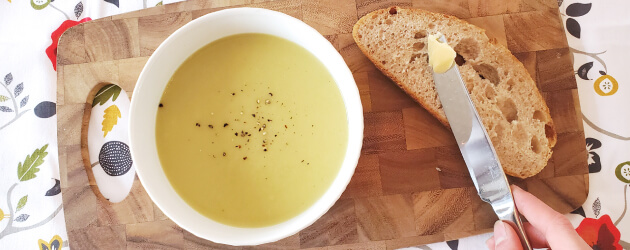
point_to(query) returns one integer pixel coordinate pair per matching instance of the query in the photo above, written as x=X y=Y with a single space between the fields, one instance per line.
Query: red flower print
x=600 y=233
x=51 y=51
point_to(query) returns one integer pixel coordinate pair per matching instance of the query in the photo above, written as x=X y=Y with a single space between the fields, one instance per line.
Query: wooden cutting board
x=410 y=187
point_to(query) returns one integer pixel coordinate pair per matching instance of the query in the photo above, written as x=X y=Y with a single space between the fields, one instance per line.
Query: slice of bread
x=511 y=108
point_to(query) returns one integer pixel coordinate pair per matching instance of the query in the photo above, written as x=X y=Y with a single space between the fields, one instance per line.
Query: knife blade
x=476 y=148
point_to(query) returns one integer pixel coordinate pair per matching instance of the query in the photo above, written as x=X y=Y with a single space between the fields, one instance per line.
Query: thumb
x=505 y=237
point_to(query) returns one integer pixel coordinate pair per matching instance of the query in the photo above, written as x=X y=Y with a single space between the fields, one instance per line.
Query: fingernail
x=499 y=232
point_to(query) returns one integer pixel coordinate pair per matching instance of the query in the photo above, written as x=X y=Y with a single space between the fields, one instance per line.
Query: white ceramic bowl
x=159 y=69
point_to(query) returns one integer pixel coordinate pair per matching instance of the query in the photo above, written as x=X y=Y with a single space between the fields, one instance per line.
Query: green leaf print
x=39 y=4
x=27 y=170
x=106 y=92
x=21 y=203
x=3 y=98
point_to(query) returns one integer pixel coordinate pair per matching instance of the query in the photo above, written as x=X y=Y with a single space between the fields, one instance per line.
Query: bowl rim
x=352 y=153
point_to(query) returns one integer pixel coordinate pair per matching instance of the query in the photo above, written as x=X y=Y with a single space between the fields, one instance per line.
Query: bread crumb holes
x=459 y=59
x=487 y=71
x=536 y=147
x=508 y=109
x=418 y=46
x=468 y=48
x=420 y=34
x=490 y=93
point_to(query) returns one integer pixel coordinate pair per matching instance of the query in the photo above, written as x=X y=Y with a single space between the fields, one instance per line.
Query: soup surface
x=251 y=130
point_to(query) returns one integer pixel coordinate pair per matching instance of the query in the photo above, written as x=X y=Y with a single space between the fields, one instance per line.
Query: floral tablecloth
x=31 y=212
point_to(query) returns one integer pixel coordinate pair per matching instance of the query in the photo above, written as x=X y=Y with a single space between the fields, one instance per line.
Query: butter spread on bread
x=441 y=56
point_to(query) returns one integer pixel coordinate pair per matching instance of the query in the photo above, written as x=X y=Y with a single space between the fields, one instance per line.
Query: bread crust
x=497 y=59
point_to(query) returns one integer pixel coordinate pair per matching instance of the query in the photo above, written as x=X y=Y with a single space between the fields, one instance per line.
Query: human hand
x=546 y=227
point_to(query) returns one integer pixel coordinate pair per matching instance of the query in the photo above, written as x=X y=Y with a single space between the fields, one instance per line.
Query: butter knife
x=476 y=148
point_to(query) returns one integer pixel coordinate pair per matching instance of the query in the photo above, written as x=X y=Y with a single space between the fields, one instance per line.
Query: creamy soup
x=251 y=130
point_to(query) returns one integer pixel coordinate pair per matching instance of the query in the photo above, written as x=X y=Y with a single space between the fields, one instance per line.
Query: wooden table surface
x=410 y=187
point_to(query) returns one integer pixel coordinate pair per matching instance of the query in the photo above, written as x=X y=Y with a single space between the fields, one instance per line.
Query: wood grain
x=385 y=217
x=424 y=131
x=367 y=6
x=152 y=30
x=155 y=235
x=438 y=211
x=355 y=59
x=494 y=26
x=80 y=79
x=409 y=171
x=109 y=237
x=74 y=38
x=126 y=32
x=136 y=208
x=83 y=209
x=74 y=175
x=330 y=16
x=390 y=97
x=451 y=168
x=528 y=59
x=533 y=31
x=366 y=181
x=411 y=185
x=458 y=8
x=568 y=119
x=383 y=131
x=337 y=226
x=555 y=69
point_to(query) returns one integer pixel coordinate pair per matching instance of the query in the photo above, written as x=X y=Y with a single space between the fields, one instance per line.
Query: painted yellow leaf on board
x=112 y=113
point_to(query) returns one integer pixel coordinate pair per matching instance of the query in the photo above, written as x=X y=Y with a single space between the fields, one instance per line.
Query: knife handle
x=514 y=220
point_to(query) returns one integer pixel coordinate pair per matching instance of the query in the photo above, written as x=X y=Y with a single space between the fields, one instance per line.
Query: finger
x=536 y=238
x=553 y=226
x=505 y=237
x=490 y=243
